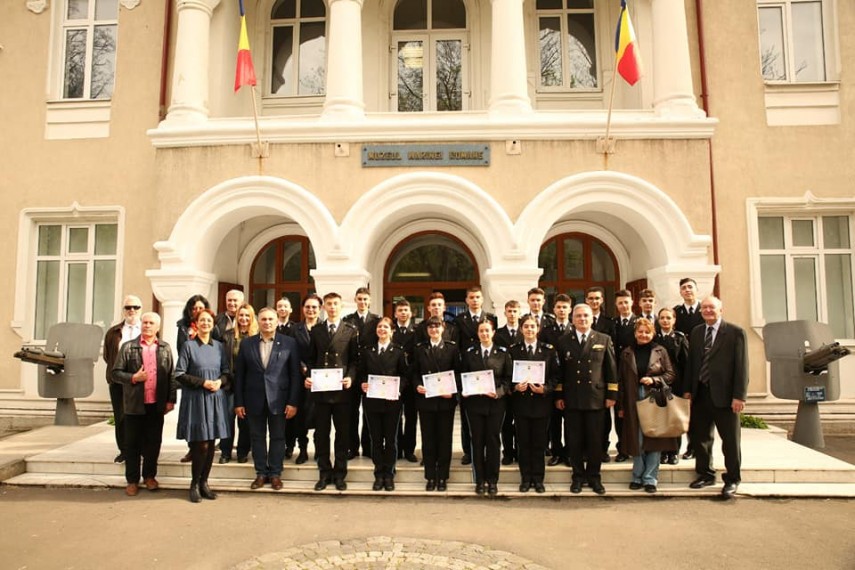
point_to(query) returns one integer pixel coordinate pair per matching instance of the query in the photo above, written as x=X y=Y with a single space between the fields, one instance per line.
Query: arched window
x=430 y=47
x=574 y=262
x=298 y=49
x=281 y=269
x=425 y=263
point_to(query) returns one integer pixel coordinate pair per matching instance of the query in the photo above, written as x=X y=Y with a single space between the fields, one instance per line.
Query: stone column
x=508 y=79
x=673 y=92
x=189 y=102
x=344 y=94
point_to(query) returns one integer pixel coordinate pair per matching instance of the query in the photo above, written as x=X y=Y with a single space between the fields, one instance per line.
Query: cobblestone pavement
x=380 y=552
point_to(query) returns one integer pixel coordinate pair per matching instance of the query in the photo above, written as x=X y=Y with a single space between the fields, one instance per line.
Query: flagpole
x=257 y=133
x=609 y=115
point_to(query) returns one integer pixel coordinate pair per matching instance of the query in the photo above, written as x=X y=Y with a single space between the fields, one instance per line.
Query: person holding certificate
x=436 y=371
x=535 y=369
x=382 y=374
x=486 y=380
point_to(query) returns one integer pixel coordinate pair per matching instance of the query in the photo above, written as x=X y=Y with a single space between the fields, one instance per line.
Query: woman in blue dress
x=203 y=372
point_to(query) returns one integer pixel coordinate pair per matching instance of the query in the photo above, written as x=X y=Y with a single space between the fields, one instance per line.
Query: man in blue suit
x=267 y=390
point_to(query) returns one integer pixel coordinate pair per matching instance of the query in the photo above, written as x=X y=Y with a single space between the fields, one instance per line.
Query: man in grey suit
x=718 y=376
x=267 y=390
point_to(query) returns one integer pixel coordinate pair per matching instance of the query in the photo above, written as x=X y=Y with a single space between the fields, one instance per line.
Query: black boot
x=206 y=491
x=194 y=492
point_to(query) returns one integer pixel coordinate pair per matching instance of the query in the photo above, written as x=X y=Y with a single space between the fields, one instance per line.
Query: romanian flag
x=628 y=59
x=245 y=71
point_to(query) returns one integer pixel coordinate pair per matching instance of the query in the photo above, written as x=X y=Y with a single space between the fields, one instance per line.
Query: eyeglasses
x=132 y=307
x=434 y=326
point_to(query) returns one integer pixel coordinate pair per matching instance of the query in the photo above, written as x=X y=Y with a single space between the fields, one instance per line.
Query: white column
x=189 y=102
x=508 y=79
x=673 y=93
x=344 y=94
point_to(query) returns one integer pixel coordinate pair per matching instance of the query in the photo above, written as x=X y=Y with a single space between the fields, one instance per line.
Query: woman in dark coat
x=642 y=366
x=383 y=358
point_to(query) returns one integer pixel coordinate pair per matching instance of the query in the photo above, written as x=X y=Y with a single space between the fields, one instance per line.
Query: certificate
x=529 y=371
x=327 y=379
x=478 y=383
x=384 y=387
x=439 y=384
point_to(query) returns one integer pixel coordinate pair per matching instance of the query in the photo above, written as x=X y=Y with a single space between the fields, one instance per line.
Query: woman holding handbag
x=643 y=366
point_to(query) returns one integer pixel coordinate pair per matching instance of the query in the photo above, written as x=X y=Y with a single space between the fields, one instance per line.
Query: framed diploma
x=327 y=379
x=478 y=383
x=529 y=371
x=439 y=384
x=384 y=387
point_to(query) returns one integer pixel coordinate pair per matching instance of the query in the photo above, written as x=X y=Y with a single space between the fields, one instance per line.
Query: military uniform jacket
x=677 y=345
x=588 y=374
x=499 y=361
x=605 y=325
x=426 y=361
x=340 y=351
x=503 y=336
x=287 y=329
x=684 y=322
x=468 y=328
x=624 y=334
x=393 y=362
x=553 y=332
x=528 y=404
x=367 y=328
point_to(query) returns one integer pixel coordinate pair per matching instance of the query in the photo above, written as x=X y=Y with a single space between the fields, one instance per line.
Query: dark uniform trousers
x=485 y=425
x=326 y=415
x=583 y=431
x=437 y=429
x=531 y=444
x=705 y=415
x=384 y=448
x=143 y=436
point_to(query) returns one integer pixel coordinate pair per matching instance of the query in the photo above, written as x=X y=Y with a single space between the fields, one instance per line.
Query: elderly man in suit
x=267 y=392
x=588 y=375
x=718 y=374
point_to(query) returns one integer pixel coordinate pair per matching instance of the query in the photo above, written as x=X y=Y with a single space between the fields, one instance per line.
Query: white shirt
x=130 y=332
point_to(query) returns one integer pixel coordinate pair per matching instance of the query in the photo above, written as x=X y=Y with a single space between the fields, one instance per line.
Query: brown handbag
x=661 y=414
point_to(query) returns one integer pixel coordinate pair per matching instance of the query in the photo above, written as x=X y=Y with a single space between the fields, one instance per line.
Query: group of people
x=281 y=378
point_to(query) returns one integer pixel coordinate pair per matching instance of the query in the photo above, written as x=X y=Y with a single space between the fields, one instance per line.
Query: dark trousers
x=268 y=461
x=407 y=431
x=384 y=436
x=556 y=433
x=607 y=428
x=704 y=416
x=296 y=432
x=583 y=431
x=531 y=444
x=437 y=430
x=326 y=415
x=465 y=437
x=143 y=435
x=509 y=446
x=118 y=406
x=243 y=438
x=355 y=438
x=485 y=428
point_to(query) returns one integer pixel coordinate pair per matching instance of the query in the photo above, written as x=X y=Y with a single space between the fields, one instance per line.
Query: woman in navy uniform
x=383 y=358
x=532 y=405
x=436 y=415
x=486 y=412
x=677 y=345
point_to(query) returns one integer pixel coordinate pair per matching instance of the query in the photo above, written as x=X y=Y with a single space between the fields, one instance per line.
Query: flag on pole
x=626 y=46
x=245 y=71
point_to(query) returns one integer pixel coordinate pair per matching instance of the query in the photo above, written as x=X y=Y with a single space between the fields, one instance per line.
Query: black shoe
x=567 y=462
x=225 y=459
x=702 y=482
x=302 y=457
x=206 y=491
x=389 y=484
x=525 y=486
x=507 y=460
x=492 y=489
x=663 y=459
x=121 y=458
x=194 y=494
x=635 y=486
x=479 y=488
x=378 y=484
x=289 y=452
x=621 y=457
x=606 y=458
x=466 y=459
x=351 y=455
x=411 y=457
x=430 y=485
x=442 y=485
x=673 y=459
x=242 y=458
x=650 y=488
x=554 y=460
x=576 y=486
x=340 y=485
x=689 y=454
x=729 y=490
x=321 y=484
x=538 y=487
x=598 y=488
x=547 y=452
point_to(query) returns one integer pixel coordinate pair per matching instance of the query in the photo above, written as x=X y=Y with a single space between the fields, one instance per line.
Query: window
x=806 y=270
x=567 y=45
x=572 y=263
x=282 y=269
x=75 y=277
x=298 y=50
x=88 y=40
x=793 y=40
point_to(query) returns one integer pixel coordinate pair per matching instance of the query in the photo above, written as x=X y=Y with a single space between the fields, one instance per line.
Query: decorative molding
x=38 y=6
x=130 y=4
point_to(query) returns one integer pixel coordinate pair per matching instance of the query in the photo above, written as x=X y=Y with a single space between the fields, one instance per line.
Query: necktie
x=561 y=328
x=691 y=310
x=512 y=332
x=332 y=329
x=704 y=374
x=584 y=338
x=650 y=318
x=530 y=351
x=382 y=349
x=595 y=322
x=625 y=322
x=486 y=354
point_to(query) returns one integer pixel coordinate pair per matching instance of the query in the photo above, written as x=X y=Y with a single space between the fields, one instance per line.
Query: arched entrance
x=573 y=262
x=282 y=269
x=426 y=262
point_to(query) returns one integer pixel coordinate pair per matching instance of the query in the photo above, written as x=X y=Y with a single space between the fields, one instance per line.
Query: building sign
x=814 y=393
x=426 y=155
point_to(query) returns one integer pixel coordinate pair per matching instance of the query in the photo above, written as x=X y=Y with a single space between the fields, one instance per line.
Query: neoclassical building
x=422 y=145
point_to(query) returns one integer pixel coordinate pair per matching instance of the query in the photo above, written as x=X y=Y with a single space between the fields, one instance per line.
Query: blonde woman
x=246 y=325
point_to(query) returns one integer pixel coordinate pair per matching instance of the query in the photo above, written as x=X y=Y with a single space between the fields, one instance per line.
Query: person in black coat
x=436 y=414
x=297 y=428
x=532 y=405
x=688 y=313
x=365 y=322
x=436 y=308
x=677 y=345
x=595 y=297
x=404 y=333
x=508 y=336
x=624 y=335
x=486 y=411
x=560 y=326
x=384 y=358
